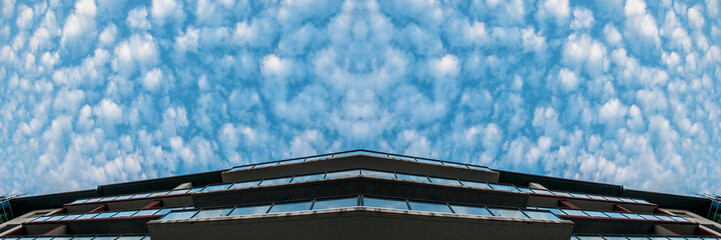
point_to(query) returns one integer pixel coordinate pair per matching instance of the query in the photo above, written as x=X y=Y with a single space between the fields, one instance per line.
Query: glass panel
x=613 y=198
x=539 y=191
x=129 y=238
x=70 y=217
x=265 y=165
x=554 y=211
x=378 y=174
x=317 y=158
x=525 y=190
x=573 y=212
x=179 y=215
x=453 y=164
x=649 y=217
x=615 y=215
x=88 y=215
x=579 y=195
x=345 y=154
x=308 y=177
x=293 y=161
x=541 y=215
x=180 y=191
x=242 y=167
x=158 y=194
x=55 y=218
x=615 y=238
x=509 y=213
x=123 y=197
x=590 y=238
x=335 y=203
x=82 y=238
x=477 y=167
x=216 y=187
x=403 y=158
x=212 y=213
x=196 y=189
x=104 y=238
x=469 y=210
x=680 y=219
x=383 y=155
x=385 y=203
x=641 y=201
x=275 y=181
x=94 y=199
x=562 y=194
x=125 y=214
x=429 y=161
x=79 y=201
x=249 y=210
x=412 y=177
x=429 y=207
x=108 y=198
x=244 y=184
x=331 y=175
x=166 y=211
x=62 y=238
x=504 y=187
x=445 y=181
x=290 y=207
x=140 y=195
x=476 y=184
x=148 y=212
x=664 y=218
x=595 y=214
x=632 y=216
x=105 y=215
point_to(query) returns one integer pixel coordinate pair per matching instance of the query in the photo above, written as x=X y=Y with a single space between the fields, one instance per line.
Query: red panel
x=54 y=229
x=103 y=207
x=566 y=204
x=153 y=204
x=620 y=208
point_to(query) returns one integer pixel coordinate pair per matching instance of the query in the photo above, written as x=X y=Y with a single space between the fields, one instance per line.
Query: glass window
x=429 y=207
x=641 y=201
x=158 y=194
x=384 y=203
x=553 y=210
x=509 y=213
x=94 y=199
x=539 y=191
x=445 y=181
x=590 y=238
x=242 y=167
x=193 y=190
x=290 y=207
x=403 y=158
x=140 y=195
x=664 y=218
x=216 y=187
x=632 y=215
x=615 y=215
x=453 y=164
x=62 y=238
x=88 y=215
x=244 y=184
x=613 y=198
x=265 y=165
x=275 y=181
x=345 y=154
x=525 y=190
x=166 y=211
x=429 y=161
x=70 y=217
x=82 y=238
x=317 y=158
x=383 y=155
x=311 y=177
x=596 y=197
x=335 y=203
x=596 y=214
x=104 y=238
x=293 y=161
x=680 y=219
x=55 y=218
x=179 y=191
x=125 y=214
x=477 y=167
x=179 y=215
x=412 y=177
x=562 y=194
x=578 y=195
x=108 y=198
x=79 y=201
x=123 y=197
x=469 y=210
x=541 y=215
x=212 y=213
x=378 y=174
x=615 y=238
x=148 y=212
x=249 y=210
x=348 y=173
x=475 y=184
x=129 y=238
x=649 y=217
x=105 y=215
x=573 y=212
x=504 y=187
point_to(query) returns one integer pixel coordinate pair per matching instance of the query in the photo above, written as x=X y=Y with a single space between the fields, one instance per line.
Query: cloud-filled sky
x=96 y=92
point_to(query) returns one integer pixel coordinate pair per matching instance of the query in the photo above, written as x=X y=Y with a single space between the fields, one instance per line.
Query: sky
x=102 y=91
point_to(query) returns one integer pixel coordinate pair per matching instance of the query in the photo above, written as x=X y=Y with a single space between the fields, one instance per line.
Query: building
x=360 y=195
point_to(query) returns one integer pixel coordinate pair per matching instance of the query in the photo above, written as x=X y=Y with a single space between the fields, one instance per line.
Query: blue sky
x=95 y=92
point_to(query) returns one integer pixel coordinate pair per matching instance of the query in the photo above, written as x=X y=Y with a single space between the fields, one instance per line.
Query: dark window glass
x=216 y=187
x=275 y=181
x=249 y=210
x=445 y=181
x=335 y=203
x=349 y=173
x=378 y=174
x=385 y=203
x=429 y=207
x=308 y=177
x=471 y=210
x=475 y=184
x=412 y=177
x=504 y=187
x=290 y=207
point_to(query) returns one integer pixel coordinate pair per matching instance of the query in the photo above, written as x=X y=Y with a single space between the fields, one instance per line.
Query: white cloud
x=25 y=18
x=108 y=112
x=163 y=11
x=275 y=67
x=79 y=30
x=153 y=79
x=582 y=19
x=612 y=36
x=695 y=17
x=140 y=51
x=558 y=10
x=137 y=18
x=640 y=25
x=445 y=67
x=583 y=51
x=108 y=35
x=569 y=80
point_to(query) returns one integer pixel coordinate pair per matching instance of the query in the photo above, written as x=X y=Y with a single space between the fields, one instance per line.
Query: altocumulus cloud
x=98 y=91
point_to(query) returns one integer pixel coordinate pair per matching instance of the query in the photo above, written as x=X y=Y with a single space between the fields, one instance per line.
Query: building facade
x=360 y=195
